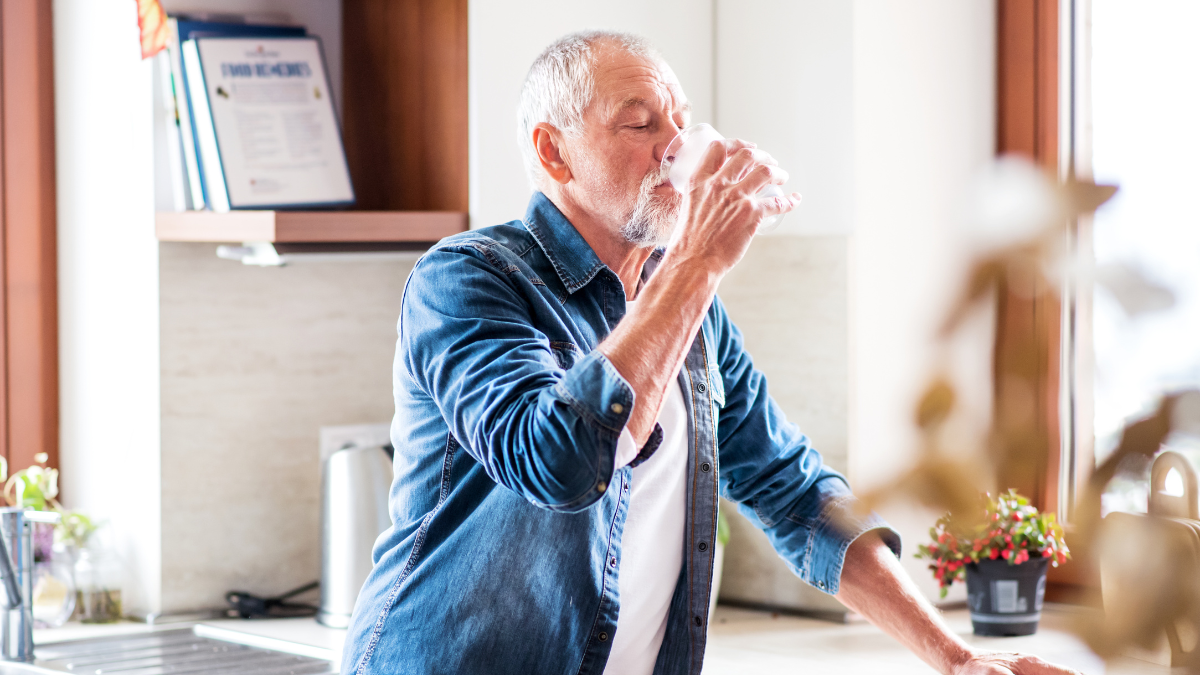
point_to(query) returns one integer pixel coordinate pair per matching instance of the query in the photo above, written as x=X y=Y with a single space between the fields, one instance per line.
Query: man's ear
x=548 y=142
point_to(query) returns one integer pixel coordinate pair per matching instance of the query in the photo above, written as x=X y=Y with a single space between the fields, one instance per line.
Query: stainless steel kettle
x=354 y=511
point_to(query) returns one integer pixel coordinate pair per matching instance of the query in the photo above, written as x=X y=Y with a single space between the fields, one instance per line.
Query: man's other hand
x=1009 y=663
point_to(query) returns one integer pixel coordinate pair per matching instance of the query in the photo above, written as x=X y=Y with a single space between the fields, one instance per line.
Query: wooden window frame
x=29 y=421
x=1027 y=123
x=1037 y=117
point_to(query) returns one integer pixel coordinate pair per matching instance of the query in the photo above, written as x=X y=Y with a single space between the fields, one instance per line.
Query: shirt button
x=698 y=621
x=612 y=562
x=703 y=546
x=601 y=486
x=705 y=467
x=603 y=636
x=617 y=408
x=821 y=585
x=700 y=387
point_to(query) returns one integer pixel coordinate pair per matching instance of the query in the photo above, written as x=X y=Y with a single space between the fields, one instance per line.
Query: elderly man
x=571 y=398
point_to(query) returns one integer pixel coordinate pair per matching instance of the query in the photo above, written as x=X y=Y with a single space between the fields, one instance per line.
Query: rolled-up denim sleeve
x=779 y=481
x=468 y=341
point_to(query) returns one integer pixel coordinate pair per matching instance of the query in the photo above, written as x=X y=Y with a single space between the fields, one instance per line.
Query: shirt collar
x=570 y=254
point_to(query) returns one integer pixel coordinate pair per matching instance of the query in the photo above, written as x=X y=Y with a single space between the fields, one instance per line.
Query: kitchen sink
x=175 y=652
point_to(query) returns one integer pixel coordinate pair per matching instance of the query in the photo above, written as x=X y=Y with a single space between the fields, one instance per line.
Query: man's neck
x=620 y=256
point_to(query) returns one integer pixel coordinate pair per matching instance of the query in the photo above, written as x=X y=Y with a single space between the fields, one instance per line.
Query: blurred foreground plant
x=1020 y=221
x=75 y=529
x=34 y=487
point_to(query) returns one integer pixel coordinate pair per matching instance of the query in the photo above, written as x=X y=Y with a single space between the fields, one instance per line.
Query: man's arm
x=810 y=517
x=876 y=586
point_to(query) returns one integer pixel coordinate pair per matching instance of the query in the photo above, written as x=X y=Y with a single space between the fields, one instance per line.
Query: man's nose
x=670 y=131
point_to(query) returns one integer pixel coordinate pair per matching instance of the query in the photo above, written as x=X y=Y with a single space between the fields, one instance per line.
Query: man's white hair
x=560 y=85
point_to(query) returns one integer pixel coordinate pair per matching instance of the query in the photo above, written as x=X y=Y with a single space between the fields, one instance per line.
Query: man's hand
x=1008 y=663
x=720 y=210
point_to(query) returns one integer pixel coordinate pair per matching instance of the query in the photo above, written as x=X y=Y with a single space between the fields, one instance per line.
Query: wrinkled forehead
x=623 y=80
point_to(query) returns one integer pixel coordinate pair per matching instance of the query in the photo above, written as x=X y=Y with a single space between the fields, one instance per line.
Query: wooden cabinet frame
x=28 y=255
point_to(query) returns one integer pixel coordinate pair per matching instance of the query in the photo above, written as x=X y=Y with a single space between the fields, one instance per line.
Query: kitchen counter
x=743 y=641
x=740 y=641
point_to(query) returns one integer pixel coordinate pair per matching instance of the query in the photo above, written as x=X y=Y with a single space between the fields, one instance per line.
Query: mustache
x=654 y=177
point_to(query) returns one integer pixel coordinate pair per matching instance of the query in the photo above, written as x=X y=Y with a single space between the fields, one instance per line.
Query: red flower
x=992 y=553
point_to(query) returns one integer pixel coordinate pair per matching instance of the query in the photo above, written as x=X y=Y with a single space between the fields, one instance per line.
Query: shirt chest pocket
x=565 y=354
x=716 y=383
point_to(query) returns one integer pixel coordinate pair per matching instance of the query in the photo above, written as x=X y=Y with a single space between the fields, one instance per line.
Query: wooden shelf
x=308 y=226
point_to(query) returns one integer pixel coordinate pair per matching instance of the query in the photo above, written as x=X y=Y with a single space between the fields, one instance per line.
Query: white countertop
x=740 y=641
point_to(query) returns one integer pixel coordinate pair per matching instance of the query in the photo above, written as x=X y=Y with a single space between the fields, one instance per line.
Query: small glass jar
x=54 y=594
x=98 y=576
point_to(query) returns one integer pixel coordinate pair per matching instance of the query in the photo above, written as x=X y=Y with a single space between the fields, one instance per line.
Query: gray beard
x=653 y=217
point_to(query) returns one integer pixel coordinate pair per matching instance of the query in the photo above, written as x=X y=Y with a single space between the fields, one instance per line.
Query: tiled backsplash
x=254 y=362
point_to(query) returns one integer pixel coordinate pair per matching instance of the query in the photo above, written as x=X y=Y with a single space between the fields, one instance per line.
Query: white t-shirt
x=652 y=542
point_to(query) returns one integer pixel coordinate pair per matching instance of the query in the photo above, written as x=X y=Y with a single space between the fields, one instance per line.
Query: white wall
x=924 y=83
x=785 y=80
x=108 y=282
x=505 y=37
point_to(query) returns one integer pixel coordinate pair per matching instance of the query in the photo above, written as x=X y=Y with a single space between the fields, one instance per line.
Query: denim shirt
x=506 y=544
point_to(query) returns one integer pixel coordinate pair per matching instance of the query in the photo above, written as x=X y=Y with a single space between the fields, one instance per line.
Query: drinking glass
x=682 y=158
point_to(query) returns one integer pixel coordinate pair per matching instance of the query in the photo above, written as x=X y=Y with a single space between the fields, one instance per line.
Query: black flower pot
x=1006 y=599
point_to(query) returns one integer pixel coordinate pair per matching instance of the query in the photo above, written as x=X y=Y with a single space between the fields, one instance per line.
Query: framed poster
x=266 y=129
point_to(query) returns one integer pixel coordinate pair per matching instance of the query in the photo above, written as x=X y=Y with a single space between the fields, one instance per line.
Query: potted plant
x=1003 y=557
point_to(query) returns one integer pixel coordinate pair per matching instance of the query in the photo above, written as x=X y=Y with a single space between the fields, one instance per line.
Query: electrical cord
x=250 y=606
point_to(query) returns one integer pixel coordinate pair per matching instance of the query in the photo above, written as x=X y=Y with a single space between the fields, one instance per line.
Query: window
x=1145 y=137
